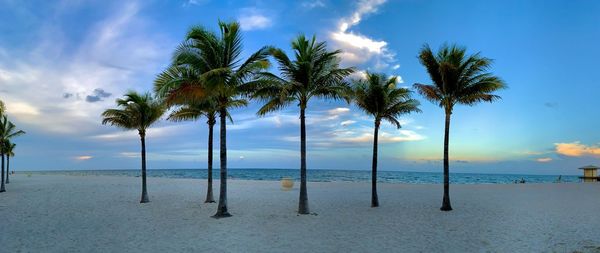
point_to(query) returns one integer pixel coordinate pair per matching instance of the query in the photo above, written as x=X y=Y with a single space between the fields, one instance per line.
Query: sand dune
x=102 y=214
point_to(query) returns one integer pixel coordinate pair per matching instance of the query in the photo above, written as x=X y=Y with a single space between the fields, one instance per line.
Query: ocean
x=317 y=175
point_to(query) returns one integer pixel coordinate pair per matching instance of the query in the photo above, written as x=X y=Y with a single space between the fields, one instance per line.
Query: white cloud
x=338 y=111
x=358 y=48
x=253 y=19
x=22 y=109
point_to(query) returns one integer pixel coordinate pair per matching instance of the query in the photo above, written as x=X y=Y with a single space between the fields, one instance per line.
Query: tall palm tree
x=210 y=65
x=7 y=131
x=193 y=112
x=136 y=111
x=10 y=151
x=315 y=72
x=457 y=79
x=378 y=96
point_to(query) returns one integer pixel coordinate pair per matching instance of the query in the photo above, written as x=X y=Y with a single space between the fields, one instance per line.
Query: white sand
x=102 y=214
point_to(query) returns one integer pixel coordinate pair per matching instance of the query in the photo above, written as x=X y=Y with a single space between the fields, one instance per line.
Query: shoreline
x=297 y=169
x=296 y=182
x=386 y=177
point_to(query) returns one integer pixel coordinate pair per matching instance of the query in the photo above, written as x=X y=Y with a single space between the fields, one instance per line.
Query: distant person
x=559 y=179
x=522 y=181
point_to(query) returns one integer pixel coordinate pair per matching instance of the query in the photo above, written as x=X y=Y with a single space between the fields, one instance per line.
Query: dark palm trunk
x=7 y=168
x=222 y=206
x=2 y=187
x=446 y=202
x=209 y=191
x=303 y=204
x=144 y=189
x=374 y=198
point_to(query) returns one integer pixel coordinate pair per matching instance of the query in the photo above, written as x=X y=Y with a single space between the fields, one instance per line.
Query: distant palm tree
x=7 y=131
x=314 y=73
x=136 y=111
x=10 y=151
x=378 y=96
x=210 y=65
x=193 y=112
x=457 y=79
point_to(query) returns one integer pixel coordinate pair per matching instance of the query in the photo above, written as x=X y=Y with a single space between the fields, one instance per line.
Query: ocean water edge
x=319 y=175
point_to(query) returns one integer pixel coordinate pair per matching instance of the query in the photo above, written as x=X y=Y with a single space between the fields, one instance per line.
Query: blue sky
x=63 y=62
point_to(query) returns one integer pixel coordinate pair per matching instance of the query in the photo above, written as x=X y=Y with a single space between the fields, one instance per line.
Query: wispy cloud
x=195 y=2
x=576 y=149
x=347 y=122
x=544 y=159
x=54 y=81
x=83 y=157
x=313 y=4
x=253 y=19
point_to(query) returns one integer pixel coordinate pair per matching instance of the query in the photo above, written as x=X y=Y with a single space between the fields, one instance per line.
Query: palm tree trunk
x=303 y=205
x=374 y=198
x=209 y=191
x=2 y=187
x=7 y=168
x=144 y=189
x=446 y=201
x=222 y=206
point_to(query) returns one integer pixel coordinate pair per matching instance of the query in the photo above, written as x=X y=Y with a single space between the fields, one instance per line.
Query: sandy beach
x=44 y=213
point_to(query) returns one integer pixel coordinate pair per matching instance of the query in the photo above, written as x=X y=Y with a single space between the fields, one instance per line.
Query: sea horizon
x=325 y=175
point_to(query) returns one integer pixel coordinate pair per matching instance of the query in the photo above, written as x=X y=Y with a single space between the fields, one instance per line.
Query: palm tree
x=193 y=112
x=314 y=73
x=136 y=111
x=378 y=96
x=457 y=79
x=7 y=131
x=10 y=148
x=210 y=65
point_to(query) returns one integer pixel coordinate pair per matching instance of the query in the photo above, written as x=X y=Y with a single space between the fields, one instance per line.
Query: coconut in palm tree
x=378 y=96
x=457 y=78
x=136 y=112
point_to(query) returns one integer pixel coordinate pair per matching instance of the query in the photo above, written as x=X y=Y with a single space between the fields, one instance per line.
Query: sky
x=63 y=62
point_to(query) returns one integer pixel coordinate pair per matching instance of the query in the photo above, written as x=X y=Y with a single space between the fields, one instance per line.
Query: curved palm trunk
x=303 y=204
x=446 y=202
x=144 y=189
x=209 y=191
x=222 y=206
x=374 y=198
x=7 y=168
x=2 y=187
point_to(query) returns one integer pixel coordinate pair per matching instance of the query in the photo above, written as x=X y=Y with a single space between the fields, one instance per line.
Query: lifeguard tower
x=590 y=174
